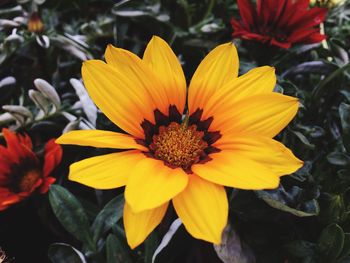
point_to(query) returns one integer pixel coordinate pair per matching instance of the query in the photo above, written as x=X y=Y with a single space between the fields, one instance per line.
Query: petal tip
x=273 y=185
x=155 y=37
x=58 y=140
x=62 y=139
x=133 y=245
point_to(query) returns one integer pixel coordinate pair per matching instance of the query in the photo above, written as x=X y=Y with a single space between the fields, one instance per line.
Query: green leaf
x=346 y=246
x=151 y=244
x=317 y=67
x=116 y=251
x=332 y=207
x=324 y=84
x=303 y=139
x=344 y=114
x=338 y=158
x=71 y=214
x=232 y=249
x=344 y=260
x=330 y=243
x=275 y=198
x=63 y=253
x=108 y=216
x=301 y=248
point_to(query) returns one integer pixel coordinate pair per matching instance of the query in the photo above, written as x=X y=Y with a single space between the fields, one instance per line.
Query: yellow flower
x=225 y=140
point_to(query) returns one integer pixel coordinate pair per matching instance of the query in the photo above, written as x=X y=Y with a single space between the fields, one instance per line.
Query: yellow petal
x=203 y=209
x=136 y=69
x=121 y=98
x=165 y=65
x=106 y=171
x=218 y=68
x=100 y=139
x=257 y=81
x=139 y=225
x=152 y=183
x=230 y=169
x=263 y=114
x=268 y=152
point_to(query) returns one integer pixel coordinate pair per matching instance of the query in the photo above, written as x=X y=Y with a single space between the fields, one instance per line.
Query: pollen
x=178 y=145
x=28 y=181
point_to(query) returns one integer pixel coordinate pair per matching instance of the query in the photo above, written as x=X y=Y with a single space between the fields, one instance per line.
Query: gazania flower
x=225 y=139
x=35 y=24
x=279 y=23
x=21 y=172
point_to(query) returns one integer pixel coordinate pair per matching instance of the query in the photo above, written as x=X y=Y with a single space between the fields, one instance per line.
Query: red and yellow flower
x=279 y=23
x=21 y=173
x=35 y=24
x=224 y=139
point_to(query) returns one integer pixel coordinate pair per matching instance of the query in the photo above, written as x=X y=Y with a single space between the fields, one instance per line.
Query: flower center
x=28 y=180
x=178 y=145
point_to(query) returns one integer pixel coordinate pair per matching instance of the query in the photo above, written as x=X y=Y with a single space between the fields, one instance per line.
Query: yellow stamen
x=178 y=145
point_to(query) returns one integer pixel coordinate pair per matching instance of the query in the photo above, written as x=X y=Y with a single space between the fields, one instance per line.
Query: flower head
x=21 y=172
x=224 y=139
x=35 y=24
x=279 y=23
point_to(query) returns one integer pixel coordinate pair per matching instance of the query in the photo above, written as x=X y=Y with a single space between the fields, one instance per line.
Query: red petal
x=315 y=38
x=288 y=13
x=46 y=184
x=277 y=43
x=280 y=10
x=9 y=200
x=53 y=156
x=247 y=12
x=17 y=146
x=303 y=4
x=263 y=10
x=25 y=140
x=310 y=18
x=3 y=207
x=4 y=191
x=301 y=35
x=236 y=25
x=257 y=37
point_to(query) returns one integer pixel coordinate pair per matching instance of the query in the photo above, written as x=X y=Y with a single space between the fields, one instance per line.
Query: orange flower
x=35 y=24
x=224 y=139
x=21 y=172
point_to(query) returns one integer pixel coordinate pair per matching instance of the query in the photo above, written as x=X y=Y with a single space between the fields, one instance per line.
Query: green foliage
x=107 y=217
x=116 y=251
x=71 y=215
x=60 y=253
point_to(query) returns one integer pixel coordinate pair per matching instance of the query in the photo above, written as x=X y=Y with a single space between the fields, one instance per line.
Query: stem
x=209 y=9
x=46 y=117
x=324 y=41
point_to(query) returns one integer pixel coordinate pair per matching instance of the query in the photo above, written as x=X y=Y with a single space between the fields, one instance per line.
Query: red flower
x=21 y=172
x=279 y=22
